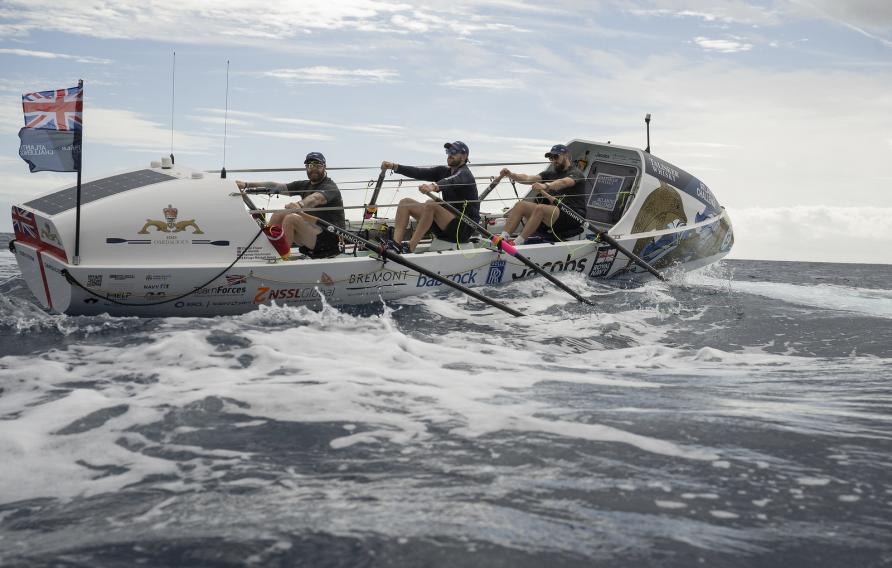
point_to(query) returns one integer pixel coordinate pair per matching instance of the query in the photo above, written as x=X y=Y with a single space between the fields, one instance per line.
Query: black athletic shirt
x=329 y=190
x=455 y=187
x=575 y=194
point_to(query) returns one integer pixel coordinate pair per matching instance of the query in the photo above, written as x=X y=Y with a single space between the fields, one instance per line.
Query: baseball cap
x=458 y=146
x=556 y=150
x=314 y=157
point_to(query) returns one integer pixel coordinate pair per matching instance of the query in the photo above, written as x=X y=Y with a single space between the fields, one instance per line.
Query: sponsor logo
x=91 y=301
x=326 y=280
x=466 y=278
x=570 y=264
x=705 y=195
x=153 y=295
x=121 y=277
x=603 y=262
x=225 y=303
x=222 y=291
x=119 y=295
x=170 y=223
x=160 y=286
x=663 y=170
x=94 y=280
x=266 y=294
x=377 y=277
x=233 y=279
x=156 y=277
x=182 y=304
x=496 y=271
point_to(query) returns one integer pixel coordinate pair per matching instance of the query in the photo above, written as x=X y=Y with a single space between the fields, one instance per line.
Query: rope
x=72 y=280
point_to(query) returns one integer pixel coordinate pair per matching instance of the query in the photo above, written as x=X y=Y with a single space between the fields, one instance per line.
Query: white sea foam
x=309 y=367
x=866 y=301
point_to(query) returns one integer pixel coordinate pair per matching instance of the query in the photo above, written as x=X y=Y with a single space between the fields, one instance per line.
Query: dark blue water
x=741 y=416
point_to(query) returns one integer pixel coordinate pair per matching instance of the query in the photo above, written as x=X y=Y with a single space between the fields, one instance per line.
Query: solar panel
x=66 y=199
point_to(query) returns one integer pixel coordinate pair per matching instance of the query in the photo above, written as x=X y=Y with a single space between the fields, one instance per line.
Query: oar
x=400 y=259
x=566 y=210
x=509 y=248
x=370 y=209
x=491 y=187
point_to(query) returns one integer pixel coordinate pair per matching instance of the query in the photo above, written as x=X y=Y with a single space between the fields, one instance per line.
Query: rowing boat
x=168 y=240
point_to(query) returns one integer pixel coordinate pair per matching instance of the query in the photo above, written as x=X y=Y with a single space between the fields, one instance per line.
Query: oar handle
x=491 y=187
x=371 y=209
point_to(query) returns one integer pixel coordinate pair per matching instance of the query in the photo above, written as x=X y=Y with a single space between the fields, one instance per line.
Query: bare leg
x=407 y=207
x=424 y=224
x=431 y=213
x=300 y=230
x=547 y=213
x=520 y=211
x=278 y=217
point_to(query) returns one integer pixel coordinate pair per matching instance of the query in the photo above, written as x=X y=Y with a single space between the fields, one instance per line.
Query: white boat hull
x=172 y=241
x=153 y=290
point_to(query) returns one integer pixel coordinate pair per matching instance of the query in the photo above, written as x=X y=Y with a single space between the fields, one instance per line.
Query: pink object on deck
x=503 y=244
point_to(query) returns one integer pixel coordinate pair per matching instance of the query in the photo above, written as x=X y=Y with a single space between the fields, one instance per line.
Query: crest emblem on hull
x=170 y=224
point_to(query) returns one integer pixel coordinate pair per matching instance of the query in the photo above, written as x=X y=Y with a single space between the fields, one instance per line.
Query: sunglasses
x=314 y=164
x=554 y=157
x=452 y=151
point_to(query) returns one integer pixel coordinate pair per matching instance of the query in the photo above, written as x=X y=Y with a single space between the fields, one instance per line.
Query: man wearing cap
x=561 y=180
x=318 y=190
x=454 y=182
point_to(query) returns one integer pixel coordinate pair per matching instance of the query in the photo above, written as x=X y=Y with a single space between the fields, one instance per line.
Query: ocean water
x=737 y=416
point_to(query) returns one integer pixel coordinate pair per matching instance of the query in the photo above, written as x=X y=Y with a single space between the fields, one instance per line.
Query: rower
x=562 y=180
x=318 y=190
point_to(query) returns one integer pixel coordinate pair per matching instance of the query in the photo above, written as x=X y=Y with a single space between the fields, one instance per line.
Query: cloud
x=242 y=21
x=484 y=83
x=290 y=134
x=722 y=45
x=813 y=233
x=251 y=117
x=322 y=75
x=724 y=11
x=51 y=55
x=870 y=18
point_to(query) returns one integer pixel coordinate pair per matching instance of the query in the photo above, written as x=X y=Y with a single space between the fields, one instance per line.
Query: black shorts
x=327 y=244
x=564 y=228
x=448 y=234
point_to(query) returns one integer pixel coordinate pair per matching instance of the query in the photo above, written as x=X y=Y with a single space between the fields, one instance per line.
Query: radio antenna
x=173 y=90
x=225 y=122
x=647 y=122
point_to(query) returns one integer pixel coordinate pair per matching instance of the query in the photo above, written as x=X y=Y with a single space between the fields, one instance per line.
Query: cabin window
x=606 y=191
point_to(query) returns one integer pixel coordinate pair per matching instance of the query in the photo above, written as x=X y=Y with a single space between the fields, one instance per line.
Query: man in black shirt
x=456 y=184
x=318 y=190
x=562 y=180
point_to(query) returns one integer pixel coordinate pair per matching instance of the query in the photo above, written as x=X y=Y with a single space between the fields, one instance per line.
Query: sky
x=784 y=108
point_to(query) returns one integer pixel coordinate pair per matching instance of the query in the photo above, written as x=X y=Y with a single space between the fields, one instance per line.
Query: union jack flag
x=23 y=224
x=605 y=254
x=61 y=109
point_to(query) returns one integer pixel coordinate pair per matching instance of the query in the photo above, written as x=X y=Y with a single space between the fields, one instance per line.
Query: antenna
x=173 y=84
x=647 y=122
x=225 y=122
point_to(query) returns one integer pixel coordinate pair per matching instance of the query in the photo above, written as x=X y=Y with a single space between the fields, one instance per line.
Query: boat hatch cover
x=66 y=199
